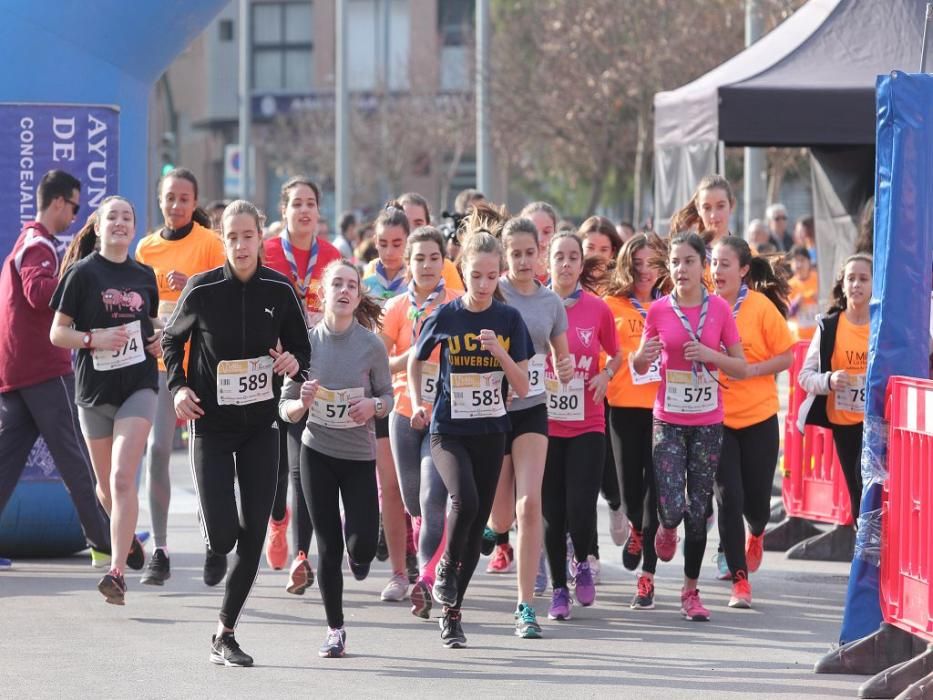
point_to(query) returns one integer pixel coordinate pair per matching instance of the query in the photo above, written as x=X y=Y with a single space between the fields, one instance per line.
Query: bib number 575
x=702 y=394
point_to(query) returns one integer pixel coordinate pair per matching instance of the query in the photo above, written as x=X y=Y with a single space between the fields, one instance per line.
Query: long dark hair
x=687 y=218
x=767 y=275
x=838 y=301
x=199 y=216
x=368 y=314
x=622 y=280
x=85 y=241
x=589 y=274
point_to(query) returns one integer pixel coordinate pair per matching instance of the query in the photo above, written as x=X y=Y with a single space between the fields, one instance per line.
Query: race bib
x=132 y=352
x=652 y=375
x=536 y=366
x=429 y=375
x=852 y=398
x=684 y=394
x=476 y=395
x=331 y=407
x=564 y=401
x=166 y=309
x=242 y=382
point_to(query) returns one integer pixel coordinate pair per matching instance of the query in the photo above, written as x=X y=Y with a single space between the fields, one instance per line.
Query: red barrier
x=907 y=508
x=813 y=487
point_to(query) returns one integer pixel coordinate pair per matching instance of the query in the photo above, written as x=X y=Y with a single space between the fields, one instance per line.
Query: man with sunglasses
x=37 y=384
x=777 y=222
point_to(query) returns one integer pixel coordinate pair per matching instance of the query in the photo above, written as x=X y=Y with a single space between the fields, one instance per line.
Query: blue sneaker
x=541 y=578
x=526 y=623
x=489 y=541
x=5 y=563
x=722 y=567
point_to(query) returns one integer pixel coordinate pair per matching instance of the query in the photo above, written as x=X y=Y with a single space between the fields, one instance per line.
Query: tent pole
x=924 y=54
x=756 y=161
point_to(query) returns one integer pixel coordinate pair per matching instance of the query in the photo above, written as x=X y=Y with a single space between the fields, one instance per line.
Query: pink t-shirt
x=719 y=330
x=590 y=329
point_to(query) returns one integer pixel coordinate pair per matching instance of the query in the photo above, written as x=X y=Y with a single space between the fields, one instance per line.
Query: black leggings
x=325 y=481
x=631 y=431
x=743 y=485
x=469 y=466
x=572 y=475
x=289 y=457
x=251 y=458
x=848 y=442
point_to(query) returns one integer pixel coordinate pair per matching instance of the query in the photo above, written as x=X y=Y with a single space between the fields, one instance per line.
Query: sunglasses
x=75 y=207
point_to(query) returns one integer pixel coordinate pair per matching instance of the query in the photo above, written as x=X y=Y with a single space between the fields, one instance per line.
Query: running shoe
x=5 y=563
x=722 y=567
x=335 y=644
x=136 y=559
x=113 y=587
x=226 y=652
x=411 y=567
x=665 y=543
x=277 y=544
x=585 y=587
x=396 y=589
x=100 y=560
x=631 y=554
x=526 y=622
x=754 y=550
x=215 y=568
x=541 y=577
x=421 y=602
x=595 y=568
x=560 y=605
x=300 y=575
x=445 y=583
x=451 y=630
x=159 y=569
x=741 y=592
x=618 y=526
x=503 y=560
x=489 y=541
x=644 y=594
x=382 y=546
x=359 y=571
x=691 y=607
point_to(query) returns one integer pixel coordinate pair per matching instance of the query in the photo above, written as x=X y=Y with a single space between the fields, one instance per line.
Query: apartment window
x=225 y=29
x=281 y=46
x=455 y=23
x=367 y=33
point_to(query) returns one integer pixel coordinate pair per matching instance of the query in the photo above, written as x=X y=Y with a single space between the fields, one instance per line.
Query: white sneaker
x=618 y=527
x=594 y=568
x=396 y=589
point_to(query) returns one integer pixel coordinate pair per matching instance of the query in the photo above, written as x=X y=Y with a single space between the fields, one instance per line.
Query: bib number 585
x=485 y=397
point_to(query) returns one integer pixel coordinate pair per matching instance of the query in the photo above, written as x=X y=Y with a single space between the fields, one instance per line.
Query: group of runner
x=457 y=401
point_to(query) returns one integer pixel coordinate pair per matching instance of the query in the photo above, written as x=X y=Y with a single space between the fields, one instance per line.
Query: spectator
x=625 y=229
x=805 y=235
x=323 y=229
x=37 y=382
x=346 y=240
x=215 y=210
x=777 y=221
x=759 y=237
x=466 y=198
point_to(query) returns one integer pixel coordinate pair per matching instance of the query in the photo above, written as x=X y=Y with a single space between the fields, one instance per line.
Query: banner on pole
x=82 y=140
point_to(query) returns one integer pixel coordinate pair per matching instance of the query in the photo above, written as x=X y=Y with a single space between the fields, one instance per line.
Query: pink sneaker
x=502 y=561
x=691 y=607
x=665 y=543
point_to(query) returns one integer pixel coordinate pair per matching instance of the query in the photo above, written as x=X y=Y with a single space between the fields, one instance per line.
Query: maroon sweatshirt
x=27 y=280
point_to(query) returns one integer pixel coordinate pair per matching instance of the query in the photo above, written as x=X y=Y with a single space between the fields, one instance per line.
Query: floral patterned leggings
x=686 y=458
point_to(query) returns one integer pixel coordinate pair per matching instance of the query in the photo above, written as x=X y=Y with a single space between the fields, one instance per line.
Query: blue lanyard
x=381 y=276
x=743 y=292
x=290 y=258
x=571 y=298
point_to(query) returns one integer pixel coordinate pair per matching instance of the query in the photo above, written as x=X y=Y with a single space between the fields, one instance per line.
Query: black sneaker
x=411 y=567
x=113 y=587
x=226 y=652
x=158 y=571
x=445 y=583
x=359 y=571
x=382 y=547
x=136 y=559
x=335 y=645
x=451 y=630
x=631 y=552
x=489 y=541
x=215 y=568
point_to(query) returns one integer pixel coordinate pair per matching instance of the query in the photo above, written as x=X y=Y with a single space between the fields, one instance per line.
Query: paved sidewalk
x=61 y=640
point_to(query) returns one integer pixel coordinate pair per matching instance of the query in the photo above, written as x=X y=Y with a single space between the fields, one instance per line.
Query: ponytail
x=838 y=300
x=766 y=274
x=368 y=313
x=202 y=218
x=83 y=244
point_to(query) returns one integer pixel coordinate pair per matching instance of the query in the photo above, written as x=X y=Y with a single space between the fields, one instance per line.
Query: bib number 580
x=563 y=402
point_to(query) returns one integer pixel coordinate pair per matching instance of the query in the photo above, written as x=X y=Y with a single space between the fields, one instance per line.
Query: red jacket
x=27 y=280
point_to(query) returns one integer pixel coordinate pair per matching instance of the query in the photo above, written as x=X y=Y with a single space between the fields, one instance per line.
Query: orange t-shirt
x=396 y=326
x=804 y=300
x=765 y=334
x=849 y=354
x=200 y=250
x=630 y=325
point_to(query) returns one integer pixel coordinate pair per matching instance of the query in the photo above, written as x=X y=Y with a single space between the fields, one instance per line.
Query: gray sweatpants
x=48 y=409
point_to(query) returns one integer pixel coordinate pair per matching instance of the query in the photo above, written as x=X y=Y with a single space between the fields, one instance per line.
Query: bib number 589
x=253 y=382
